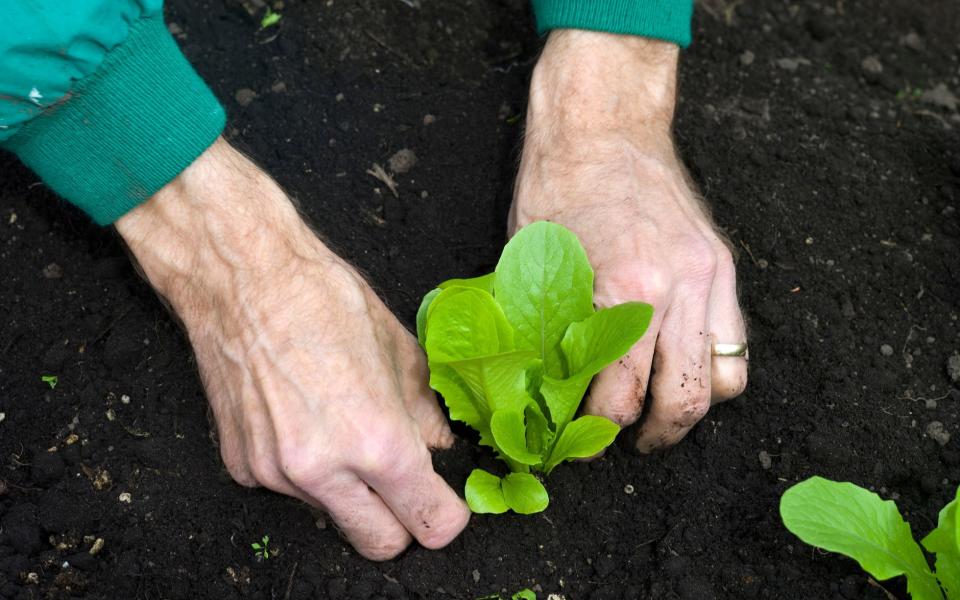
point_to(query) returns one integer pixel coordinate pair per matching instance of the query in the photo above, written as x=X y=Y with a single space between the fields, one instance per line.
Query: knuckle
x=701 y=259
x=380 y=457
x=238 y=470
x=650 y=283
x=266 y=473
x=300 y=468
x=725 y=263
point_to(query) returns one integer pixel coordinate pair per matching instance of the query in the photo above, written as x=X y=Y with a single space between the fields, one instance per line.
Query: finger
x=680 y=386
x=229 y=438
x=618 y=392
x=728 y=373
x=362 y=517
x=421 y=402
x=402 y=474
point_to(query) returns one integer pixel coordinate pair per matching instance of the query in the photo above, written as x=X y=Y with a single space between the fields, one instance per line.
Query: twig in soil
x=293 y=571
x=392 y=50
x=929 y=113
x=110 y=326
x=910 y=336
x=377 y=172
x=873 y=582
x=750 y=253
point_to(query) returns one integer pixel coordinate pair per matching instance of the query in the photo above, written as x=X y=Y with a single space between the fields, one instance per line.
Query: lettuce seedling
x=845 y=518
x=513 y=352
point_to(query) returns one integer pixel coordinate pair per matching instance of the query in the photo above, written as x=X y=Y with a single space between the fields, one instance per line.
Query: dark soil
x=838 y=184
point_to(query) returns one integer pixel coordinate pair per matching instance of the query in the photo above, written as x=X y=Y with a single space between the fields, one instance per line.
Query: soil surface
x=813 y=128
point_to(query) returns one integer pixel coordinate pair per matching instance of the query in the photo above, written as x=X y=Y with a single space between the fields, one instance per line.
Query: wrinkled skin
x=598 y=158
x=317 y=390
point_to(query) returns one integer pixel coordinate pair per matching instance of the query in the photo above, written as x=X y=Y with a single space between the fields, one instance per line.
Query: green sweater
x=97 y=99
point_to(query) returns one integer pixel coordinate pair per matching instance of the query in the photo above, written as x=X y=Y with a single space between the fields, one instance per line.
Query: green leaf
x=524 y=595
x=604 y=336
x=484 y=282
x=255 y=546
x=270 y=18
x=50 y=380
x=563 y=397
x=588 y=347
x=466 y=323
x=948 y=573
x=845 y=518
x=510 y=433
x=463 y=404
x=539 y=435
x=945 y=542
x=524 y=493
x=544 y=282
x=582 y=438
x=484 y=494
x=498 y=380
x=422 y=316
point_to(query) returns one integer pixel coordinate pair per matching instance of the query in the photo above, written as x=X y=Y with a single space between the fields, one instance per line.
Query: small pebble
x=940 y=96
x=125 y=399
x=2 y=417
x=402 y=161
x=937 y=433
x=953 y=367
x=126 y=498
x=278 y=87
x=476 y=576
x=930 y=403
x=339 y=97
x=628 y=489
x=429 y=119
x=97 y=547
x=886 y=350
x=747 y=58
x=765 y=460
x=244 y=96
x=791 y=64
x=52 y=271
x=912 y=41
x=872 y=65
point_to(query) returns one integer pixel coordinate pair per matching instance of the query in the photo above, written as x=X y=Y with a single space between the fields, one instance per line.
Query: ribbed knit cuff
x=662 y=19
x=125 y=131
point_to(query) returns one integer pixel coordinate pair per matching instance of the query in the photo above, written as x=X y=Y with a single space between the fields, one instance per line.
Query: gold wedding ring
x=731 y=350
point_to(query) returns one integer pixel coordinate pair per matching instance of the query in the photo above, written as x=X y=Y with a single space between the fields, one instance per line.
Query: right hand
x=317 y=390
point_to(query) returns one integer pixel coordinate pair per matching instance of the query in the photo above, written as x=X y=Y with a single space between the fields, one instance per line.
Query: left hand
x=598 y=158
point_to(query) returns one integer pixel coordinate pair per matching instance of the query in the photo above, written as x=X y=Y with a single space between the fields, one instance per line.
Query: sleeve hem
x=662 y=19
x=126 y=130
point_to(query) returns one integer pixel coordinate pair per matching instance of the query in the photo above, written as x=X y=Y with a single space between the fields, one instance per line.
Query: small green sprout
x=50 y=380
x=269 y=19
x=262 y=548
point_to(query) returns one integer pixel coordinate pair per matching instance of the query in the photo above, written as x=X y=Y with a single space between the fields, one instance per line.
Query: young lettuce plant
x=845 y=518
x=513 y=352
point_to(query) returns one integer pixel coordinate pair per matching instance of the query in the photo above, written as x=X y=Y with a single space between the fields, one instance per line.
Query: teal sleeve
x=662 y=19
x=97 y=99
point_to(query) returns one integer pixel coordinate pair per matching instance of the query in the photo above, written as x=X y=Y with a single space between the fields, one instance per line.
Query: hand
x=598 y=158
x=318 y=392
